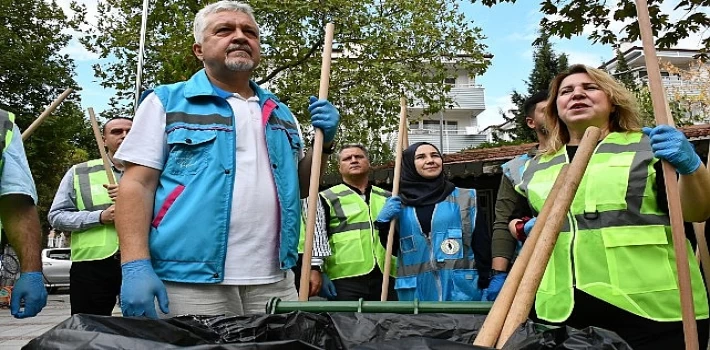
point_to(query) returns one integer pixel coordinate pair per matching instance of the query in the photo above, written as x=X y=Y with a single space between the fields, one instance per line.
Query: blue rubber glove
x=327 y=289
x=391 y=210
x=527 y=228
x=495 y=286
x=324 y=116
x=670 y=144
x=30 y=289
x=139 y=288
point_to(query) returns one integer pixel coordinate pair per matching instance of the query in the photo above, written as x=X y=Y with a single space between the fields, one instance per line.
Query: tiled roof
x=504 y=153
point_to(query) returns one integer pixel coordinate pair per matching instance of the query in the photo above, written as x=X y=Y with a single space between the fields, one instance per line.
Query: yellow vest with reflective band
x=616 y=243
x=7 y=123
x=302 y=235
x=98 y=242
x=354 y=240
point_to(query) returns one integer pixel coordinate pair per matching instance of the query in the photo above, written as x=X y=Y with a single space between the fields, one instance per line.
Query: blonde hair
x=625 y=117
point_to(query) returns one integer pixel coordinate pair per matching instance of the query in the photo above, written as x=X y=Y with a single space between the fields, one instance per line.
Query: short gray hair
x=224 y=5
x=353 y=145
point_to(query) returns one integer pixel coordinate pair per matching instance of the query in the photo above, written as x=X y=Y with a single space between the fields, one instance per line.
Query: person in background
x=84 y=205
x=355 y=268
x=443 y=241
x=504 y=246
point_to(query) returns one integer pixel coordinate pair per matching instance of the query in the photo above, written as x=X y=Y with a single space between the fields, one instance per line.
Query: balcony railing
x=454 y=140
x=465 y=96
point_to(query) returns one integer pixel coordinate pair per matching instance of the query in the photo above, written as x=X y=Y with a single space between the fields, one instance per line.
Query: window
x=450 y=81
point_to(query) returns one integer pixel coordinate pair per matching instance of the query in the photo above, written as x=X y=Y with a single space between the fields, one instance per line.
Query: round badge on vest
x=450 y=246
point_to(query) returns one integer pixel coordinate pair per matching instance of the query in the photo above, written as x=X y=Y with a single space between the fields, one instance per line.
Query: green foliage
x=566 y=18
x=547 y=64
x=32 y=74
x=384 y=48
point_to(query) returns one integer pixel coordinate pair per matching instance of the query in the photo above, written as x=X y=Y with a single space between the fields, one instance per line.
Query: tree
x=623 y=72
x=692 y=95
x=32 y=74
x=547 y=64
x=383 y=49
x=565 y=18
x=678 y=105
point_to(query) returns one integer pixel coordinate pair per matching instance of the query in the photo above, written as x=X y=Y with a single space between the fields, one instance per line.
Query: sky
x=510 y=30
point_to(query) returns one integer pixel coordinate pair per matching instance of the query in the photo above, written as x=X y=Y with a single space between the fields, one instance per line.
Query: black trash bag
x=566 y=338
x=419 y=343
x=363 y=328
x=311 y=328
x=301 y=330
x=273 y=332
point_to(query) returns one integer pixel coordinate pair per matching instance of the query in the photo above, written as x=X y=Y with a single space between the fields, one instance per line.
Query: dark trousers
x=368 y=287
x=94 y=286
x=641 y=333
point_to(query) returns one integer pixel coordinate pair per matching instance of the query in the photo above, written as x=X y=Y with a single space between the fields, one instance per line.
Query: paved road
x=15 y=333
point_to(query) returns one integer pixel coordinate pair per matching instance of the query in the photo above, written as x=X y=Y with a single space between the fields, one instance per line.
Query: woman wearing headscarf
x=443 y=244
x=613 y=265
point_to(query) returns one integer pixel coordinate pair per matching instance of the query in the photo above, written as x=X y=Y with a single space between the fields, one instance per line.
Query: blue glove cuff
x=691 y=168
x=136 y=264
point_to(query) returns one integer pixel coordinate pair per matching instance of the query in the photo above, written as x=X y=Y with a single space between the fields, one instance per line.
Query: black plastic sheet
x=567 y=338
x=301 y=330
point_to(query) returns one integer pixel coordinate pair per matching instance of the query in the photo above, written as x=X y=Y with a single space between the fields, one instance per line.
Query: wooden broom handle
x=315 y=169
x=663 y=116
x=395 y=191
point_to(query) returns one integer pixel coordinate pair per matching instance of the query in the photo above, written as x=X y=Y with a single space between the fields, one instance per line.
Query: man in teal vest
x=354 y=270
x=506 y=215
x=84 y=206
x=19 y=220
x=209 y=212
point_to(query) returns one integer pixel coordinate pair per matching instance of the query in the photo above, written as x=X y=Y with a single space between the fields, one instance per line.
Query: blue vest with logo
x=440 y=267
x=193 y=200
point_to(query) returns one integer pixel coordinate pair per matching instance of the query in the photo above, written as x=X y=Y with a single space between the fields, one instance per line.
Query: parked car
x=56 y=263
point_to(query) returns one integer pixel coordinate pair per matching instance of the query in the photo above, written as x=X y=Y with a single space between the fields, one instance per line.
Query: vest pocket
x=347 y=248
x=189 y=151
x=406 y=288
x=407 y=244
x=638 y=259
x=465 y=286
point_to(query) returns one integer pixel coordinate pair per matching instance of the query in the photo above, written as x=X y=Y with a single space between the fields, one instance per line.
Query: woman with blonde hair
x=613 y=265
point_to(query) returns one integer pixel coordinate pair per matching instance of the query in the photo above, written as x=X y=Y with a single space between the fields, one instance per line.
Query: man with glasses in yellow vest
x=84 y=205
x=354 y=270
x=19 y=219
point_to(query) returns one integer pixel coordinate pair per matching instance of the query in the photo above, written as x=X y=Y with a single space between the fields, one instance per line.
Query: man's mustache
x=236 y=47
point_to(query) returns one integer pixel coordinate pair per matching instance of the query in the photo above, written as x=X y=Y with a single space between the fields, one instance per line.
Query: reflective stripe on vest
x=464 y=201
x=98 y=242
x=617 y=243
x=513 y=169
x=302 y=233
x=354 y=239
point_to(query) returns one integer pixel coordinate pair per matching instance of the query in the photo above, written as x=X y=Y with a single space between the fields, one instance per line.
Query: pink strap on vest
x=269 y=107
